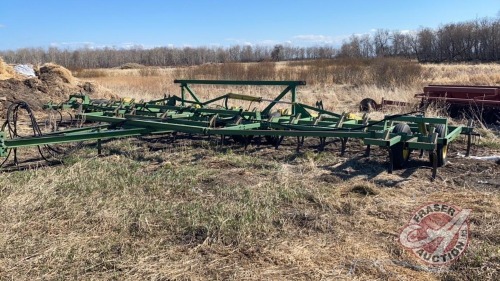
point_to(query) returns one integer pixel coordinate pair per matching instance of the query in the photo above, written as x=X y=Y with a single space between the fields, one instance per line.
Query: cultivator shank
x=399 y=134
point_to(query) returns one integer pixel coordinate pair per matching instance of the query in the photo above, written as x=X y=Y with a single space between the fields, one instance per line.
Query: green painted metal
x=455 y=133
x=173 y=114
x=268 y=108
x=193 y=95
x=63 y=138
x=421 y=119
x=383 y=142
x=241 y=82
x=3 y=147
x=422 y=145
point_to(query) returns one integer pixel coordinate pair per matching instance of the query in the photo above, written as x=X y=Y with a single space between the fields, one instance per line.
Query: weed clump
x=364 y=189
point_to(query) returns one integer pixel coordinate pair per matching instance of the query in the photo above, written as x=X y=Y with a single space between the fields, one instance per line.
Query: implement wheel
x=272 y=140
x=441 y=150
x=400 y=151
x=242 y=139
x=368 y=105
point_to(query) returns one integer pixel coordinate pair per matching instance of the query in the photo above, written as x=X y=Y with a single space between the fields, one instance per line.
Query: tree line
x=165 y=56
x=477 y=40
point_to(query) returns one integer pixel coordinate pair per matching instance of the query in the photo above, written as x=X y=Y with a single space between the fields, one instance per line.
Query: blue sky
x=151 y=23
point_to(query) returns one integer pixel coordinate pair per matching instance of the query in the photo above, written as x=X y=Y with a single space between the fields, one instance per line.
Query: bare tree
x=276 y=54
x=381 y=40
x=477 y=40
x=352 y=48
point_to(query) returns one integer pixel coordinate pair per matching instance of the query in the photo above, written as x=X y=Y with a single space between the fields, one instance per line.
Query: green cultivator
x=399 y=134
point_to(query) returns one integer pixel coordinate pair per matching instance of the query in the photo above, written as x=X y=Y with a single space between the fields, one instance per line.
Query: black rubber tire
x=242 y=139
x=491 y=116
x=400 y=152
x=441 y=150
x=272 y=140
x=367 y=105
x=496 y=117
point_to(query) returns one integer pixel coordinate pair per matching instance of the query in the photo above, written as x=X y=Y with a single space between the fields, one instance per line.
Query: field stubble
x=153 y=209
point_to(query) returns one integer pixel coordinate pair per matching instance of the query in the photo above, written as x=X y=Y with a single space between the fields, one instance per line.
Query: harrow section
x=187 y=113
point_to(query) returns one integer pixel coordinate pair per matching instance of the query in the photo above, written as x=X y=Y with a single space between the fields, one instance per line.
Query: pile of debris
x=39 y=85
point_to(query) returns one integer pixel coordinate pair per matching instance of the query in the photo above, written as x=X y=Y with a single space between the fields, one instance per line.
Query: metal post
x=343 y=142
x=182 y=94
x=367 y=151
x=99 y=147
x=469 y=138
x=434 y=164
x=99 y=144
x=391 y=161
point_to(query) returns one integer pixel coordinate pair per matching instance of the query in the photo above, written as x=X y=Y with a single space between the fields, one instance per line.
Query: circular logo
x=437 y=233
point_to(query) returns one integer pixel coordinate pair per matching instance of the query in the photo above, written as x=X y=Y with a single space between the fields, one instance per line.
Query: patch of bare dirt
x=52 y=83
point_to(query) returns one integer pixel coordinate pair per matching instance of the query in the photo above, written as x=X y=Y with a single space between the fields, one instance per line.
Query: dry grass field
x=340 y=86
x=192 y=209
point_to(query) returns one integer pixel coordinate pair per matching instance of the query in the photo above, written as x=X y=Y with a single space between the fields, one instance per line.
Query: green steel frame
x=190 y=114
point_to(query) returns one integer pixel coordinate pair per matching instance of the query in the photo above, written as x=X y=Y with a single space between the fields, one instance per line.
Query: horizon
x=124 y=25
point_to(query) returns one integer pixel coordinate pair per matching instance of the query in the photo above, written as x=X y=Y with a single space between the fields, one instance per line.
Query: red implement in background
x=478 y=102
x=487 y=96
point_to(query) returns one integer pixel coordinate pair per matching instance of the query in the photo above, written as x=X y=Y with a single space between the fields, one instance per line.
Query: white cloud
x=372 y=31
x=78 y=43
x=82 y=44
x=245 y=42
x=92 y=45
x=235 y=40
x=132 y=45
x=74 y=45
x=2 y=25
x=267 y=42
x=239 y=41
x=318 y=39
x=313 y=38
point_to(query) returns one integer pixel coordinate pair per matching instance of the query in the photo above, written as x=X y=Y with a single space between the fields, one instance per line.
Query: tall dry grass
x=462 y=74
x=6 y=71
x=341 y=84
x=381 y=72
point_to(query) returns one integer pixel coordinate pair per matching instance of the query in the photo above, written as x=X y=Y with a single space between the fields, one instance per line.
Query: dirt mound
x=55 y=74
x=131 y=65
x=52 y=83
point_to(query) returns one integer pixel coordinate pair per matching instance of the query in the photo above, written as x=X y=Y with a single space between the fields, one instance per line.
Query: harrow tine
x=343 y=142
x=367 y=151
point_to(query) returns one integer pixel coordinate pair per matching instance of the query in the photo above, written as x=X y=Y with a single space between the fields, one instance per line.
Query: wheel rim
x=406 y=153
x=444 y=151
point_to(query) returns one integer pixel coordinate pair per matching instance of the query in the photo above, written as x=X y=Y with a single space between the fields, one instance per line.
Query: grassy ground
x=155 y=209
